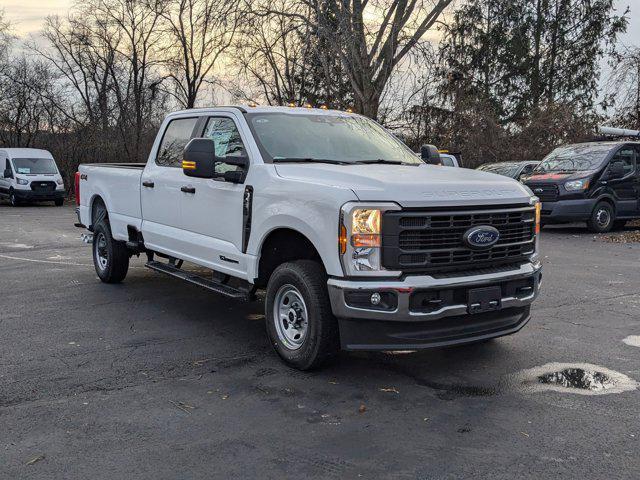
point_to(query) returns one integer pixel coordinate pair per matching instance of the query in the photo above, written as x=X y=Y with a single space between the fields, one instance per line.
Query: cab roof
x=26 y=153
x=269 y=109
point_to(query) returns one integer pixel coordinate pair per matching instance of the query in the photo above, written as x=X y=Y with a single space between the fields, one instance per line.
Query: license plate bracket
x=485 y=299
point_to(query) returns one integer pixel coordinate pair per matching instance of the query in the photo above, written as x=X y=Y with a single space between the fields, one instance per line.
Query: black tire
x=13 y=200
x=619 y=224
x=110 y=257
x=59 y=202
x=602 y=218
x=307 y=280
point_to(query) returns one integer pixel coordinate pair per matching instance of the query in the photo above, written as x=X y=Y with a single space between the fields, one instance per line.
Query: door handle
x=148 y=184
x=188 y=189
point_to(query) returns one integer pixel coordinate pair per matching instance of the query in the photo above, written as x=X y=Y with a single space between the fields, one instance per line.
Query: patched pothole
x=632 y=340
x=579 y=378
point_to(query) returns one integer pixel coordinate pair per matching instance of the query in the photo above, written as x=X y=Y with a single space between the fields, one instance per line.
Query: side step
x=225 y=290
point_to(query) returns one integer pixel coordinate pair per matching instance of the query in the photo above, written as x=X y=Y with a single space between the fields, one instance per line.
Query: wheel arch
x=282 y=245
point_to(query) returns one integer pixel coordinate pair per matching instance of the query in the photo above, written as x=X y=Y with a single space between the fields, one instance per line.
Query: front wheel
x=602 y=218
x=300 y=323
x=59 y=202
x=13 y=199
x=110 y=257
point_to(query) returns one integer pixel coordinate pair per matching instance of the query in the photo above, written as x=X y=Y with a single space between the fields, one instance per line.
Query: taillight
x=76 y=188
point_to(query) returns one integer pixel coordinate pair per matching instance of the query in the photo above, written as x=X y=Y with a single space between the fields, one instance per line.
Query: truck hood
x=412 y=186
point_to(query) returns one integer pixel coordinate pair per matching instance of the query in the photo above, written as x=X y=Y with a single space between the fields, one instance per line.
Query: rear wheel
x=602 y=218
x=59 y=202
x=300 y=323
x=110 y=257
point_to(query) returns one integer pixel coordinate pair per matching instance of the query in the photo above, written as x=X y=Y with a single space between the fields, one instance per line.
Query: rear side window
x=446 y=161
x=175 y=138
x=626 y=156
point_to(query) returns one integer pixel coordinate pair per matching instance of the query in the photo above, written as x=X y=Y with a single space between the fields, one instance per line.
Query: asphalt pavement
x=157 y=379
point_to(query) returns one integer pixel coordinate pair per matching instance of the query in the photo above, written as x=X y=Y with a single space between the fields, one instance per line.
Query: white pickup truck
x=359 y=243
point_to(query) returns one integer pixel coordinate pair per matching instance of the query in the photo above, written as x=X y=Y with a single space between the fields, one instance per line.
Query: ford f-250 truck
x=359 y=243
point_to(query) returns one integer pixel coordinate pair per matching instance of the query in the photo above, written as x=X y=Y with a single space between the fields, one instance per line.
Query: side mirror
x=616 y=170
x=199 y=158
x=430 y=155
x=7 y=173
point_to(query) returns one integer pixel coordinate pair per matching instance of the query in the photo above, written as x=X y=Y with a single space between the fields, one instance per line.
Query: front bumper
x=567 y=210
x=414 y=321
x=35 y=196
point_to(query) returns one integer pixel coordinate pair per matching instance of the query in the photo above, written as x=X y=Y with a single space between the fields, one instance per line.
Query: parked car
x=596 y=182
x=30 y=175
x=448 y=160
x=515 y=170
x=358 y=242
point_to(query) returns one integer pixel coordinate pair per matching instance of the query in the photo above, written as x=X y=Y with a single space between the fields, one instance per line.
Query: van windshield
x=574 y=158
x=331 y=138
x=42 y=166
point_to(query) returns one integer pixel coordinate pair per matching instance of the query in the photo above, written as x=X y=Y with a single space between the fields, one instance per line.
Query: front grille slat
x=423 y=241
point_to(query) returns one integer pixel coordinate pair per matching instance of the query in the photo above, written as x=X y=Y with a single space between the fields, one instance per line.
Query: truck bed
x=118 y=184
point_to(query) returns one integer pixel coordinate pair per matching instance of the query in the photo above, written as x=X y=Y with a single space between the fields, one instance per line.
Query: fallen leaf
x=362 y=408
x=389 y=390
x=35 y=459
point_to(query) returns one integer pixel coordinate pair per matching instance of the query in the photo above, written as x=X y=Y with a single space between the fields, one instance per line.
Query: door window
x=175 y=138
x=626 y=156
x=225 y=135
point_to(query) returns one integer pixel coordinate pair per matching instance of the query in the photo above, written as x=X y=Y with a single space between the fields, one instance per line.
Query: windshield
x=333 y=138
x=507 y=169
x=574 y=158
x=33 y=166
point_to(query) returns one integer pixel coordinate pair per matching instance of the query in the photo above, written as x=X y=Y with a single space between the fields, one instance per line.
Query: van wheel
x=13 y=200
x=59 y=202
x=602 y=218
x=300 y=323
x=110 y=257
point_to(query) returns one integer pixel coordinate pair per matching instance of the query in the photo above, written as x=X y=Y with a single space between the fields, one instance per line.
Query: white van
x=30 y=174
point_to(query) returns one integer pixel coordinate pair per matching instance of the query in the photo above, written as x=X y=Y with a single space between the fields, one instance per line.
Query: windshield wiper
x=382 y=160
x=310 y=160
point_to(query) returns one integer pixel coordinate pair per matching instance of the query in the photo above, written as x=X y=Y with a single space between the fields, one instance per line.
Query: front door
x=5 y=183
x=625 y=188
x=161 y=195
x=212 y=216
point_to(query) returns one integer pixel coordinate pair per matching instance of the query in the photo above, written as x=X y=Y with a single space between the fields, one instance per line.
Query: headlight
x=360 y=238
x=60 y=181
x=573 y=185
x=22 y=181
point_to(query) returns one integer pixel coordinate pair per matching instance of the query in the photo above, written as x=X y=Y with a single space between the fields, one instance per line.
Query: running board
x=225 y=290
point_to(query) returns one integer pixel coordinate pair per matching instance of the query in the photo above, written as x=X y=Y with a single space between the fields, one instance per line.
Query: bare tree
x=274 y=55
x=370 y=37
x=200 y=32
x=624 y=85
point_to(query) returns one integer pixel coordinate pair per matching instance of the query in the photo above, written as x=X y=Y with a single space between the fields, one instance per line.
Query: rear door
x=625 y=188
x=160 y=192
x=212 y=216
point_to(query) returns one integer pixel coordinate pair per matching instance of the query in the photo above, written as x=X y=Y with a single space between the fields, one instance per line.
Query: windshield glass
x=326 y=137
x=574 y=158
x=34 y=166
x=507 y=169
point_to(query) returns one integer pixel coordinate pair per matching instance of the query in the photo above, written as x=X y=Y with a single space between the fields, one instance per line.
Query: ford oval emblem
x=481 y=237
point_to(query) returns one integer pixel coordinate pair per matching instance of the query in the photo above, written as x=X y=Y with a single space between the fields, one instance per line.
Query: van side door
x=161 y=188
x=625 y=187
x=213 y=214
